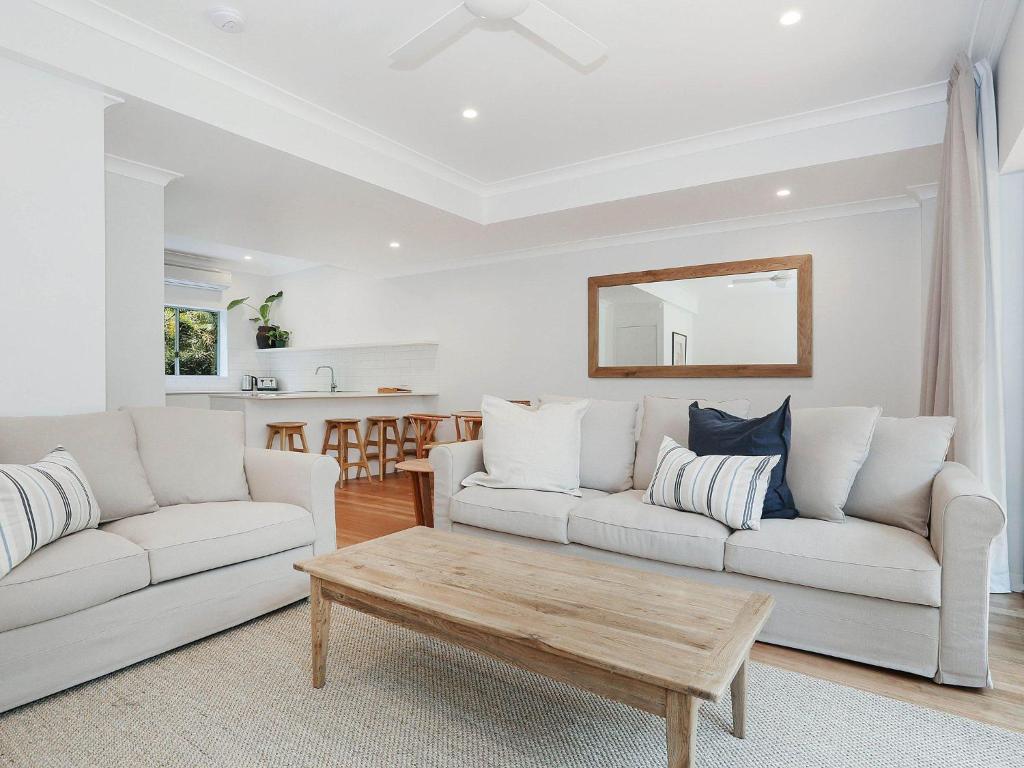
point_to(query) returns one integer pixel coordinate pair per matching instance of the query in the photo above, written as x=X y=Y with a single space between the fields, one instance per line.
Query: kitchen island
x=261 y=408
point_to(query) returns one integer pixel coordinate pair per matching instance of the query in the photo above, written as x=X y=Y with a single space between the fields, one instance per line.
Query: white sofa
x=859 y=590
x=197 y=534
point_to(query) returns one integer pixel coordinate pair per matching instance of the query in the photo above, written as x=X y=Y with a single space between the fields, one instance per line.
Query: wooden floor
x=368 y=509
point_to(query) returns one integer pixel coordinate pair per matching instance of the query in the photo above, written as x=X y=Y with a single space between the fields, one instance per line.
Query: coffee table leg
x=320 y=624
x=739 y=702
x=681 y=728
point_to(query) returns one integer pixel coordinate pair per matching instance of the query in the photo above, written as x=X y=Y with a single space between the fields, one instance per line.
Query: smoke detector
x=227 y=19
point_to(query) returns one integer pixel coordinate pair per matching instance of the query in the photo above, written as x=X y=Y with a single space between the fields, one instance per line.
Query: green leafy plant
x=274 y=333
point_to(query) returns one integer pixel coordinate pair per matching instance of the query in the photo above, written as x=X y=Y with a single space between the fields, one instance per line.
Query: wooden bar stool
x=424 y=428
x=467 y=425
x=345 y=429
x=384 y=425
x=287 y=432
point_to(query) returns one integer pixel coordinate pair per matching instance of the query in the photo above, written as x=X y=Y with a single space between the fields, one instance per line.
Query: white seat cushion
x=623 y=523
x=858 y=557
x=189 y=538
x=71 y=574
x=535 y=514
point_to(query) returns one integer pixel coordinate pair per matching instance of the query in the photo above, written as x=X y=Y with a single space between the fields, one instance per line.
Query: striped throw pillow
x=730 y=489
x=41 y=502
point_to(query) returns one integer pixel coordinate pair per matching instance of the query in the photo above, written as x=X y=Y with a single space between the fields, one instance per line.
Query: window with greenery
x=191 y=341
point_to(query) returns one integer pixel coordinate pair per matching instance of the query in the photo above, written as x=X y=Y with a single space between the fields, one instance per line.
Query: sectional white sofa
x=197 y=534
x=858 y=589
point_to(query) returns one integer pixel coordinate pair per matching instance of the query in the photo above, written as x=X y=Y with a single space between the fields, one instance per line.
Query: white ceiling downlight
x=532 y=16
x=394 y=244
x=790 y=17
x=783 y=192
x=470 y=114
x=247 y=257
x=227 y=19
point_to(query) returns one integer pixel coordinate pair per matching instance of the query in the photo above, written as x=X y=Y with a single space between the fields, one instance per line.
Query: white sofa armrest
x=452 y=463
x=306 y=480
x=965 y=519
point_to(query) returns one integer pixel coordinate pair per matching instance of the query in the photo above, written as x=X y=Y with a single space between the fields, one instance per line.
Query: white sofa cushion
x=531 y=449
x=534 y=514
x=859 y=557
x=104 y=445
x=623 y=523
x=730 y=489
x=189 y=538
x=827 y=450
x=40 y=503
x=608 y=436
x=74 y=573
x=192 y=455
x=895 y=484
x=670 y=417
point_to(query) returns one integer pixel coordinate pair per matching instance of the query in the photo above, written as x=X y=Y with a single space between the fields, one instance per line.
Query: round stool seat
x=341 y=421
x=287 y=433
x=286 y=424
x=382 y=418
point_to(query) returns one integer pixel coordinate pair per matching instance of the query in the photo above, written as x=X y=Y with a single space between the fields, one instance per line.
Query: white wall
x=135 y=286
x=1009 y=80
x=519 y=329
x=52 y=248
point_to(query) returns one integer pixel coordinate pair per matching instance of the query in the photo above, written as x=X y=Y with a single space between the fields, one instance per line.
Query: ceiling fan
x=779 y=280
x=531 y=15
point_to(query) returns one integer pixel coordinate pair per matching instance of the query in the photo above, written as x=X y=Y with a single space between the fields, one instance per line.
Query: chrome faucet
x=334 y=386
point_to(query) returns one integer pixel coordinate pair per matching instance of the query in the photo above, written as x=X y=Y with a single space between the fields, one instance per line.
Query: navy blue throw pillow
x=716 y=433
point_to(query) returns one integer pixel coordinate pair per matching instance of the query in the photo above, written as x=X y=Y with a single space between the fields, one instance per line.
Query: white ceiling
x=676 y=69
x=237 y=196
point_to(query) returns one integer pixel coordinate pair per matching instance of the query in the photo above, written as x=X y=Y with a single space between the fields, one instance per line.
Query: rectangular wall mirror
x=739 y=318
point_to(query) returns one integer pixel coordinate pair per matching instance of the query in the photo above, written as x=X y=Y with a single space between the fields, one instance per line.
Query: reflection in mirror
x=737 y=319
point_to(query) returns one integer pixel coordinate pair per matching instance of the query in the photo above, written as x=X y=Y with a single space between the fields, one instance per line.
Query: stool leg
x=327 y=437
x=270 y=437
x=302 y=439
x=400 y=454
x=363 y=463
x=382 y=447
x=458 y=430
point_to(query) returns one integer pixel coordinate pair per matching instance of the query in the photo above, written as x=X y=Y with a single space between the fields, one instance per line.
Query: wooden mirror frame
x=804 y=325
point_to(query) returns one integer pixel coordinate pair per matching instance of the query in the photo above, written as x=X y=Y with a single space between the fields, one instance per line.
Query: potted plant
x=268 y=335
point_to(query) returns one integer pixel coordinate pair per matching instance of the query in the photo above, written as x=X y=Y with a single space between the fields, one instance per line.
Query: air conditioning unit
x=197 y=277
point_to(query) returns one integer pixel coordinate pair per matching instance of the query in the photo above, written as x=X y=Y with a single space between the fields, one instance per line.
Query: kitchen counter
x=316 y=395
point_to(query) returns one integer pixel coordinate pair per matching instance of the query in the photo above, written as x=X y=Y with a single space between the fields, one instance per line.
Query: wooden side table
x=422 y=475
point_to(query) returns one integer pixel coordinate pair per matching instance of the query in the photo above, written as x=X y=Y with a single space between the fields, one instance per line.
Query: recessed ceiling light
x=789 y=18
x=783 y=193
x=227 y=19
x=247 y=257
x=394 y=244
x=470 y=113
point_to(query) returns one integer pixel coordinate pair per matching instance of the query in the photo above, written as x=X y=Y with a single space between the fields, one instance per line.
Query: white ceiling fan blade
x=435 y=36
x=558 y=31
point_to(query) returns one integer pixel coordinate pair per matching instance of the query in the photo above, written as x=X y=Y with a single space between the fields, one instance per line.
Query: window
x=192 y=344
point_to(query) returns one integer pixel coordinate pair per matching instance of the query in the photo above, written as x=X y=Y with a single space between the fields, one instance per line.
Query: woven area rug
x=395 y=698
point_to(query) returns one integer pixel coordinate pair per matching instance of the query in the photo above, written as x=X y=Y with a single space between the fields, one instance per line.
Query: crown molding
x=819 y=118
x=110 y=100
x=132 y=169
x=800 y=216
x=922 y=192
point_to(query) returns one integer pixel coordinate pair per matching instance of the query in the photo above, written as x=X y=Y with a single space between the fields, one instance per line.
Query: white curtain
x=962 y=358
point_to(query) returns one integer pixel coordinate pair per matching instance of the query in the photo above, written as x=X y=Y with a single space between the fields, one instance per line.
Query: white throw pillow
x=670 y=417
x=608 y=434
x=827 y=449
x=730 y=489
x=41 y=502
x=895 y=484
x=532 y=449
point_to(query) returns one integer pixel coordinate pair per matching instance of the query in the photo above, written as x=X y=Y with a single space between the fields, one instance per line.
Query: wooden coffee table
x=654 y=642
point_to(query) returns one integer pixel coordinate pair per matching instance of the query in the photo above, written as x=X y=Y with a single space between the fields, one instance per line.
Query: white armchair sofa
x=197 y=534
x=859 y=589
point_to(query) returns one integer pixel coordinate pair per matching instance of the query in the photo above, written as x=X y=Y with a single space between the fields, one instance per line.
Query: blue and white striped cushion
x=730 y=489
x=41 y=502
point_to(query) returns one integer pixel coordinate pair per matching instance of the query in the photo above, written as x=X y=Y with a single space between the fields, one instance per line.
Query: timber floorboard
x=366 y=509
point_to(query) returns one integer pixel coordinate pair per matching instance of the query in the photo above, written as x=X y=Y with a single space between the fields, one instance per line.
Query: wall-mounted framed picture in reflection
x=748 y=318
x=678 y=348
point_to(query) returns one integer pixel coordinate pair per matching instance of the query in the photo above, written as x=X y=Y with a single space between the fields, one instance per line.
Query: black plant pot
x=263 y=337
